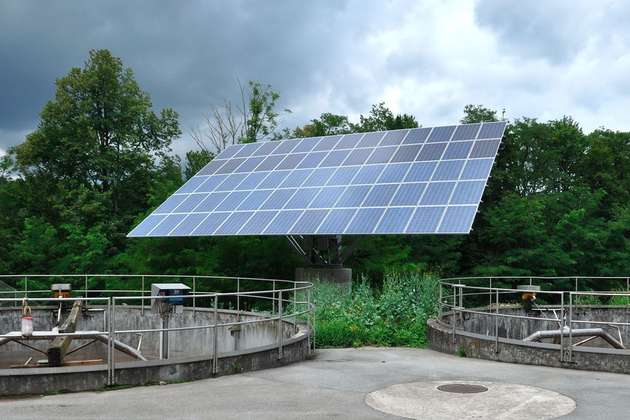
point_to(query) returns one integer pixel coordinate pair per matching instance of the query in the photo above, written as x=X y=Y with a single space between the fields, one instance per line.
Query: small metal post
x=496 y=324
x=570 y=327
x=194 y=299
x=86 y=287
x=295 y=304
x=238 y=299
x=562 y=326
x=108 y=317
x=142 y=300
x=281 y=335
x=454 y=312
x=309 y=324
x=26 y=286
x=576 y=284
x=490 y=295
x=112 y=328
x=273 y=299
x=461 y=305
x=441 y=303
x=215 y=356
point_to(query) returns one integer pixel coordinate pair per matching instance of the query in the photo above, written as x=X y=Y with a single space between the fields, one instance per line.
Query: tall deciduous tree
x=99 y=131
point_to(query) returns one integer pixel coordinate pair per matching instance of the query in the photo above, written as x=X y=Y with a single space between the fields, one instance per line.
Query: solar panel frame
x=337 y=176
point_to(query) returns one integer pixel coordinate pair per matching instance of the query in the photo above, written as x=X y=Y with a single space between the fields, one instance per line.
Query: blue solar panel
x=365 y=221
x=424 y=180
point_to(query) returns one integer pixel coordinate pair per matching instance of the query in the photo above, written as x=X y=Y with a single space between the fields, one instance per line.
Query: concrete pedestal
x=336 y=275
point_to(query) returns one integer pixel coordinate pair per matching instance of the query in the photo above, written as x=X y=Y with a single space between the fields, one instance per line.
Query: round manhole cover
x=462 y=388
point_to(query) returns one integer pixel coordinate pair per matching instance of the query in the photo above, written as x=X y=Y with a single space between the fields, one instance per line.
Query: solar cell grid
x=424 y=180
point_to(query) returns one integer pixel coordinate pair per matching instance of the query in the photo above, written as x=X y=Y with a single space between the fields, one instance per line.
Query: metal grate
x=462 y=388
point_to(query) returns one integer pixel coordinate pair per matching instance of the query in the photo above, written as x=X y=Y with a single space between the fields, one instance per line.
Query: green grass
x=393 y=316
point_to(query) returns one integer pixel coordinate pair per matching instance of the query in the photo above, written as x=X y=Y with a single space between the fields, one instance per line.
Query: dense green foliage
x=100 y=160
x=396 y=315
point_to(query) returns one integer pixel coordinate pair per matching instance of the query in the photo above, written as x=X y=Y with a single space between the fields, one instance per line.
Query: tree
x=478 y=113
x=326 y=125
x=99 y=131
x=195 y=161
x=382 y=118
x=255 y=120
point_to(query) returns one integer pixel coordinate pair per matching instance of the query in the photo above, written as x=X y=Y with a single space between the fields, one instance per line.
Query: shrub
x=394 y=316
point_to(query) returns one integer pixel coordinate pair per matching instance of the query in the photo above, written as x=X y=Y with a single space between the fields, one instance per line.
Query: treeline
x=100 y=160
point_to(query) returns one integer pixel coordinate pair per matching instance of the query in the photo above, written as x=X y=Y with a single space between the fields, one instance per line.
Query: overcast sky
x=538 y=59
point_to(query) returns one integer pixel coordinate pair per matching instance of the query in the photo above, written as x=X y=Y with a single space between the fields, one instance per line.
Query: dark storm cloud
x=187 y=55
x=428 y=58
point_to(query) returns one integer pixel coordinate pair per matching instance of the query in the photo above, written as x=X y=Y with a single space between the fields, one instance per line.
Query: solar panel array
x=413 y=181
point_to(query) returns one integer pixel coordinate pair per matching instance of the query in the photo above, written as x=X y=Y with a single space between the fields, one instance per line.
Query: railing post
x=309 y=325
x=26 y=286
x=215 y=356
x=142 y=300
x=496 y=324
x=295 y=304
x=441 y=303
x=454 y=312
x=194 y=299
x=570 y=327
x=112 y=323
x=108 y=316
x=273 y=299
x=238 y=299
x=576 y=284
x=562 y=326
x=86 y=287
x=281 y=335
x=490 y=295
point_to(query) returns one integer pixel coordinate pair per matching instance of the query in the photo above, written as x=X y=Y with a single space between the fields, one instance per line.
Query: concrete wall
x=189 y=343
x=480 y=346
x=518 y=329
x=86 y=378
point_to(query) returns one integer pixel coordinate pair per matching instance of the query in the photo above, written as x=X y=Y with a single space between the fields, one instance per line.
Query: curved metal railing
x=268 y=300
x=560 y=295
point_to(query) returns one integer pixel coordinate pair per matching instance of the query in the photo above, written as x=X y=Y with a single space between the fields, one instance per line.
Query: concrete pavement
x=334 y=384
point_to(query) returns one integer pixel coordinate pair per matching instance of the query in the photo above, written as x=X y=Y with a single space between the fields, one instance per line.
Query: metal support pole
x=461 y=305
x=309 y=324
x=453 y=313
x=238 y=299
x=142 y=300
x=570 y=327
x=215 y=356
x=194 y=299
x=295 y=304
x=108 y=316
x=26 y=286
x=441 y=303
x=280 y=334
x=490 y=295
x=112 y=328
x=496 y=324
x=86 y=287
x=576 y=284
x=562 y=326
x=273 y=299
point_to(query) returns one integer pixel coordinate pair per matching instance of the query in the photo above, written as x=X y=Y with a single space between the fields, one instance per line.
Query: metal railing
x=261 y=300
x=558 y=297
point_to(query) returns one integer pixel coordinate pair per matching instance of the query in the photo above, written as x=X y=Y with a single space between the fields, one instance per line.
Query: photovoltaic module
x=414 y=181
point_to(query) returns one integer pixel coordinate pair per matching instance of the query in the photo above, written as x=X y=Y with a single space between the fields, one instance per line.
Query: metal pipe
x=496 y=325
x=215 y=356
x=280 y=332
x=562 y=326
x=238 y=299
x=570 y=327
